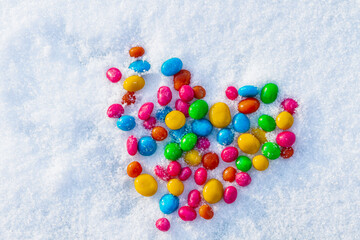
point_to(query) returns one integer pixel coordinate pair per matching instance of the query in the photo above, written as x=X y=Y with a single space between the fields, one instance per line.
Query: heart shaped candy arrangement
x=189 y=128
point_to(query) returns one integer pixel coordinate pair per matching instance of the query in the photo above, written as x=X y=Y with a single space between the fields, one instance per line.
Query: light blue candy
x=248 y=91
x=146 y=146
x=177 y=135
x=225 y=137
x=126 y=123
x=161 y=113
x=241 y=123
x=140 y=66
x=169 y=203
x=171 y=67
x=202 y=127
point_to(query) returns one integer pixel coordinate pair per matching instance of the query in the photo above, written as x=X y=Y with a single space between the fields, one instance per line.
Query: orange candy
x=229 y=174
x=206 y=212
x=136 y=52
x=181 y=78
x=199 y=92
x=210 y=160
x=248 y=105
x=159 y=133
x=129 y=98
x=287 y=152
x=134 y=169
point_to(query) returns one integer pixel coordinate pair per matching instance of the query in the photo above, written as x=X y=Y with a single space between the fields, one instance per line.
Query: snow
x=62 y=164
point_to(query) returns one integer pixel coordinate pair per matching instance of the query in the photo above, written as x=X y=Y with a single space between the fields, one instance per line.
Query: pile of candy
x=188 y=129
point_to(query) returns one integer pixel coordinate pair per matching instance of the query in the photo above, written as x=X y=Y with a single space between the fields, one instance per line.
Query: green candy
x=243 y=163
x=269 y=93
x=271 y=150
x=188 y=141
x=267 y=123
x=172 y=151
x=198 y=109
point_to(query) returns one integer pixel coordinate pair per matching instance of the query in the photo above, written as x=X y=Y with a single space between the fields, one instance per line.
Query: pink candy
x=174 y=168
x=289 y=105
x=185 y=173
x=229 y=154
x=114 y=75
x=203 y=143
x=131 y=145
x=145 y=110
x=230 y=194
x=194 y=198
x=186 y=93
x=200 y=176
x=243 y=179
x=164 y=95
x=163 y=224
x=149 y=123
x=182 y=106
x=285 y=139
x=115 y=111
x=231 y=93
x=161 y=173
x=187 y=213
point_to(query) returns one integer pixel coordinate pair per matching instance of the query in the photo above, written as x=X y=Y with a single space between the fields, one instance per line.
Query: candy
x=269 y=93
x=229 y=174
x=248 y=91
x=230 y=194
x=136 y=52
x=172 y=151
x=185 y=173
x=199 y=92
x=149 y=123
x=267 y=123
x=114 y=75
x=163 y=224
x=260 y=163
x=181 y=78
x=145 y=185
x=177 y=135
x=161 y=113
x=287 y=152
x=259 y=134
x=145 y=111
x=231 y=93
x=161 y=173
x=164 y=95
x=210 y=160
x=219 y=115
x=248 y=143
x=175 y=120
x=271 y=150
x=132 y=145
x=248 y=105
x=243 y=179
x=159 y=133
x=188 y=142
x=186 y=93
x=243 y=163
x=140 y=66
x=198 y=109
x=213 y=191
x=200 y=176
x=182 y=106
x=134 y=83
x=115 y=111
x=286 y=139
x=202 y=127
x=206 y=212
x=128 y=98
x=187 y=213
x=229 y=154
x=241 y=123
x=194 y=198
x=174 y=168
x=175 y=187
x=171 y=66
x=126 y=123
x=168 y=203
x=203 y=143
x=147 y=146
x=225 y=137
x=284 y=120
x=134 y=169
x=193 y=158
x=289 y=105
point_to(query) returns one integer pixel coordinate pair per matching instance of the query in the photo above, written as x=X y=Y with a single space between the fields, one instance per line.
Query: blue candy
x=248 y=91
x=241 y=123
x=140 y=66
x=161 y=113
x=171 y=66
x=225 y=137
x=169 y=203
x=146 y=146
x=126 y=123
x=177 y=135
x=202 y=127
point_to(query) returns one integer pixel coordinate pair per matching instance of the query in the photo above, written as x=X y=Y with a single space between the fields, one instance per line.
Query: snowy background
x=62 y=161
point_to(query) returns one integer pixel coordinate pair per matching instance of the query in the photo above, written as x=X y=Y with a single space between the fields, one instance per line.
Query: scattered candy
x=134 y=83
x=225 y=137
x=194 y=198
x=231 y=93
x=286 y=139
x=115 y=111
x=229 y=174
x=202 y=127
x=269 y=93
x=187 y=213
x=136 y=52
x=181 y=78
x=163 y=224
x=243 y=179
x=241 y=123
x=243 y=163
x=185 y=173
x=289 y=105
x=260 y=163
x=200 y=176
x=210 y=160
x=193 y=158
x=161 y=113
x=229 y=154
x=182 y=106
x=172 y=151
x=140 y=66
x=161 y=173
x=259 y=134
x=169 y=203
x=147 y=146
x=266 y=123
x=188 y=142
x=202 y=143
x=248 y=91
x=175 y=187
x=159 y=133
x=164 y=95
x=213 y=191
x=230 y=194
x=145 y=185
x=134 y=169
x=175 y=120
x=171 y=66
x=114 y=75
x=287 y=152
x=248 y=143
x=206 y=212
x=199 y=92
x=145 y=111
x=174 y=168
x=132 y=145
x=186 y=93
x=149 y=123
x=284 y=120
x=128 y=98
x=248 y=105
x=271 y=150
x=219 y=115
x=177 y=135
x=198 y=109
x=126 y=123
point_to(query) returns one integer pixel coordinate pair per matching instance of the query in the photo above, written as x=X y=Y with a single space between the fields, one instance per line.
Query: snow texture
x=63 y=162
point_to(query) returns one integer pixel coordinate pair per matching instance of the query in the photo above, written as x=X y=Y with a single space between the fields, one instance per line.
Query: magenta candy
x=182 y=106
x=243 y=179
x=231 y=93
x=161 y=173
x=115 y=111
x=186 y=93
x=163 y=224
x=200 y=176
x=289 y=105
x=230 y=194
x=229 y=154
x=187 y=213
x=113 y=74
x=131 y=145
x=174 y=168
x=146 y=110
x=185 y=173
x=164 y=95
x=149 y=123
x=194 y=198
x=203 y=143
x=285 y=139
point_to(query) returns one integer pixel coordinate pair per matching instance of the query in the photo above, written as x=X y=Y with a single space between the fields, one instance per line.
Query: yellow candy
x=175 y=187
x=284 y=120
x=219 y=115
x=193 y=158
x=134 y=83
x=248 y=143
x=175 y=120
x=260 y=163
x=213 y=191
x=259 y=134
x=146 y=185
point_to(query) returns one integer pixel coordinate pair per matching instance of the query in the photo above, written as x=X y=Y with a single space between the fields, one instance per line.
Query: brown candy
x=248 y=105
x=181 y=78
x=206 y=212
x=199 y=92
x=229 y=174
x=129 y=98
x=287 y=152
x=159 y=133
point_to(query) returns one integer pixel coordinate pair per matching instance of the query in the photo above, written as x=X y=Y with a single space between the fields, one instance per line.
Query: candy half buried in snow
x=171 y=66
x=248 y=91
x=140 y=66
x=126 y=123
x=147 y=146
x=161 y=113
x=131 y=145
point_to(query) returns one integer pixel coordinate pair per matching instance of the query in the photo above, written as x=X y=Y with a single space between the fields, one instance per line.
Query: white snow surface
x=63 y=161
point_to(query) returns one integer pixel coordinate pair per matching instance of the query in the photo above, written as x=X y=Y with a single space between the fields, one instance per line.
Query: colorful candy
x=136 y=52
x=175 y=120
x=182 y=106
x=171 y=66
x=199 y=92
x=175 y=187
x=266 y=123
x=225 y=137
x=243 y=179
x=231 y=93
x=134 y=83
x=194 y=198
x=181 y=78
x=202 y=127
x=188 y=142
x=248 y=105
x=219 y=115
x=213 y=191
x=229 y=174
x=259 y=134
x=126 y=123
x=269 y=93
x=206 y=212
x=186 y=93
x=145 y=111
x=172 y=151
x=260 y=163
x=230 y=194
x=243 y=163
x=286 y=139
x=271 y=150
x=161 y=113
x=174 y=168
x=284 y=120
x=147 y=146
x=229 y=154
x=128 y=98
x=161 y=173
x=140 y=66
x=287 y=152
x=164 y=95
x=145 y=185
x=177 y=135
x=159 y=133
x=289 y=105
x=193 y=158
x=210 y=160
x=202 y=143
x=185 y=173
x=200 y=176
x=248 y=91
x=131 y=145
x=114 y=75
x=187 y=213
x=198 y=109
x=149 y=123
x=241 y=123
x=248 y=143
x=163 y=224
x=115 y=111
x=169 y=203
x=134 y=169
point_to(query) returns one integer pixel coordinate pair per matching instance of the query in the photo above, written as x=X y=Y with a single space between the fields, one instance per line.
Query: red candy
x=163 y=224
x=174 y=168
x=129 y=98
x=285 y=139
x=114 y=75
x=289 y=105
x=229 y=174
x=194 y=198
x=231 y=93
x=230 y=194
x=115 y=111
x=229 y=154
x=185 y=173
x=187 y=213
x=210 y=160
x=161 y=173
x=181 y=78
x=287 y=152
x=200 y=176
x=149 y=123
x=145 y=110
x=243 y=179
x=131 y=145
